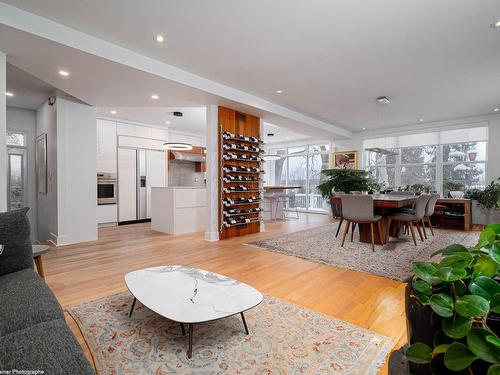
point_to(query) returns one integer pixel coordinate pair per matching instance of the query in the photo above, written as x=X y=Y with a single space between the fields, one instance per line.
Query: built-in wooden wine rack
x=241 y=173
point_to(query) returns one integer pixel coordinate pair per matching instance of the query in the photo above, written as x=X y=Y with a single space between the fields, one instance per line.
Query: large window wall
x=300 y=166
x=432 y=159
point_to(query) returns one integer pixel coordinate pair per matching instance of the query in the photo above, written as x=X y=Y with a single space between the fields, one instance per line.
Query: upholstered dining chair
x=410 y=218
x=358 y=209
x=429 y=211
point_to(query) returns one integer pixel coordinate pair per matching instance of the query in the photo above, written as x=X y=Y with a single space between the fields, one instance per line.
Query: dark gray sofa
x=33 y=333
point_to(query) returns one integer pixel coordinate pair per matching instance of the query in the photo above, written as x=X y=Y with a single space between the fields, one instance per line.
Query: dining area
x=380 y=217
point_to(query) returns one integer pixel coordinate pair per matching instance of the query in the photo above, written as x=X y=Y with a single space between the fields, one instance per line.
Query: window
x=16 y=139
x=433 y=159
x=300 y=166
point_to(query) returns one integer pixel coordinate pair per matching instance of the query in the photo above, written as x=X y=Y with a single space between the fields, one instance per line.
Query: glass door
x=16 y=178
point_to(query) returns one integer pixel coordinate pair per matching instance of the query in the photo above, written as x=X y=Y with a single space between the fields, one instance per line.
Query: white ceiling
x=29 y=91
x=435 y=59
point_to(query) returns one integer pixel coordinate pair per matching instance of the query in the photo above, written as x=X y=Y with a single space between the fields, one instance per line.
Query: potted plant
x=344 y=180
x=450 y=186
x=485 y=203
x=453 y=307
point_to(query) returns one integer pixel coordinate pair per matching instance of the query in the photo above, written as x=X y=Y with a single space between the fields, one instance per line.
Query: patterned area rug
x=284 y=339
x=393 y=260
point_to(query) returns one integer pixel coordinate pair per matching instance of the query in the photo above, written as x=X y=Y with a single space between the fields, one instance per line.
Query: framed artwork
x=41 y=163
x=345 y=159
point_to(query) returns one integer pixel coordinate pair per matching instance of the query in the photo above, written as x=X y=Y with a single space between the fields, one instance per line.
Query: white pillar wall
x=212 y=158
x=3 y=133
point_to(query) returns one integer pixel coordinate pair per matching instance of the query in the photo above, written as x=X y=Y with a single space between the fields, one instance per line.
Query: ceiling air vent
x=383 y=100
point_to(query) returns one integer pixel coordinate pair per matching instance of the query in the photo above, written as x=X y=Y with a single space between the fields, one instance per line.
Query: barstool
x=285 y=198
x=269 y=198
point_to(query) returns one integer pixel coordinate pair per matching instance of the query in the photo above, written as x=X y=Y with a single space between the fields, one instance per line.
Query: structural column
x=212 y=158
x=3 y=133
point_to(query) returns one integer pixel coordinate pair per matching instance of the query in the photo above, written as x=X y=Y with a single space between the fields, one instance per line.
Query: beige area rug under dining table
x=393 y=260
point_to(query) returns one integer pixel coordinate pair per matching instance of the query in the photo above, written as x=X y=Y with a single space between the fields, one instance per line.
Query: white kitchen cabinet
x=186 y=138
x=178 y=209
x=127 y=184
x=106 y=213
x=143 y=131
x=106 y=146
x=161 y=134
x=132 y=130
x=155 y=174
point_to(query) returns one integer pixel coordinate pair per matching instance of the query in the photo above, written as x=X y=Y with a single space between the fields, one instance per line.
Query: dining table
x=384 y=205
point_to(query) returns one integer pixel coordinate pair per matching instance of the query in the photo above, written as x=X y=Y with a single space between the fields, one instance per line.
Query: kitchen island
x=176 y=210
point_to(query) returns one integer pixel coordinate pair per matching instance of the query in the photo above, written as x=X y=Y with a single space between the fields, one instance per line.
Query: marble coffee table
x=190 y=295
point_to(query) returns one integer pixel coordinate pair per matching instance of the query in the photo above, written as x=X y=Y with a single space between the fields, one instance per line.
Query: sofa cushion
x=49 y=347
x=15 y=236
x=25 y=301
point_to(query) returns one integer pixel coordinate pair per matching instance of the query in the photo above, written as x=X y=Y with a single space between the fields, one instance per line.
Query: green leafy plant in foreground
x=463 y=289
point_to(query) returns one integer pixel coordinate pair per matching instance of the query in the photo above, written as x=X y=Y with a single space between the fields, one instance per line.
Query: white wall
x=76 y=172
x=46 y=122
x=3 y=127
x=24 y=121
x=493 y=152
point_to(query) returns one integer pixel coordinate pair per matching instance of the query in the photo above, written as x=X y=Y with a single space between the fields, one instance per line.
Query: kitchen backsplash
x=184 y=174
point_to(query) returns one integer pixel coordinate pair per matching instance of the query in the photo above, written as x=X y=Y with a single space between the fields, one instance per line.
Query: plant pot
x=472 y=156
x=484 y=216
x=421 y=326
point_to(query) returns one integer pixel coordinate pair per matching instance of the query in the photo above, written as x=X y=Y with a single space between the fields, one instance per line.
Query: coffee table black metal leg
x=132 y=308
x=244 y=323
x=183 y=330
x=190 y=350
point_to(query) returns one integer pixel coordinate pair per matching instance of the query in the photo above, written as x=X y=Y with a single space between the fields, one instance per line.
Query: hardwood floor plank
x=87 y=271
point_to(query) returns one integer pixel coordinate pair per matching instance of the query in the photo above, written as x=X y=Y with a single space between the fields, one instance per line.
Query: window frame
x=439 y=162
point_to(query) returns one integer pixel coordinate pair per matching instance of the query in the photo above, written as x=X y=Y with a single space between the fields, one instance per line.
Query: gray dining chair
x=429 y=211
x=410 y=218
x=358 y=209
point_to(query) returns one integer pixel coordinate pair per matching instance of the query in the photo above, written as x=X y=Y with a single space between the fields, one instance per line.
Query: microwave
x=106 y=188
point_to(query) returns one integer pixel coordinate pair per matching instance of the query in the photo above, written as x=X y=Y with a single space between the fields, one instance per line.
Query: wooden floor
x=87 y=271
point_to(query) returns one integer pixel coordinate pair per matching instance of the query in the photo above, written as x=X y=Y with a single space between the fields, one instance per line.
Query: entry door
x=16 y=178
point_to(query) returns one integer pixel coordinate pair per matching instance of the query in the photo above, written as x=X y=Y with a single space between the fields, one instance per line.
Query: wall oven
x=106 y=188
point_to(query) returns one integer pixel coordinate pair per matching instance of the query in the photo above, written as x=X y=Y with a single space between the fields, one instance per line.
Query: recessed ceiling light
x=154 y=97
x=8 y=93
x=279 y=91
x=167 y=122
x=421 y=120
x=287 y=138
x=496 y=110
x=159 y=38
x=64 y=73
x=363 y=128
x=496 y=24
x=113 y=112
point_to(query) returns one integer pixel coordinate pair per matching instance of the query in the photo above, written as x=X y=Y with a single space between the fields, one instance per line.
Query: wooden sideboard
x=451 y=213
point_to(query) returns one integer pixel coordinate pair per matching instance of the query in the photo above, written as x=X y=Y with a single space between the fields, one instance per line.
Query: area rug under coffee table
x=285 y=339
x=393 y=260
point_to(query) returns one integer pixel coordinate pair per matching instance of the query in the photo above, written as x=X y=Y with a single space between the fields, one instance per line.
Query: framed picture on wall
x=41 y=163
x=345 y=159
